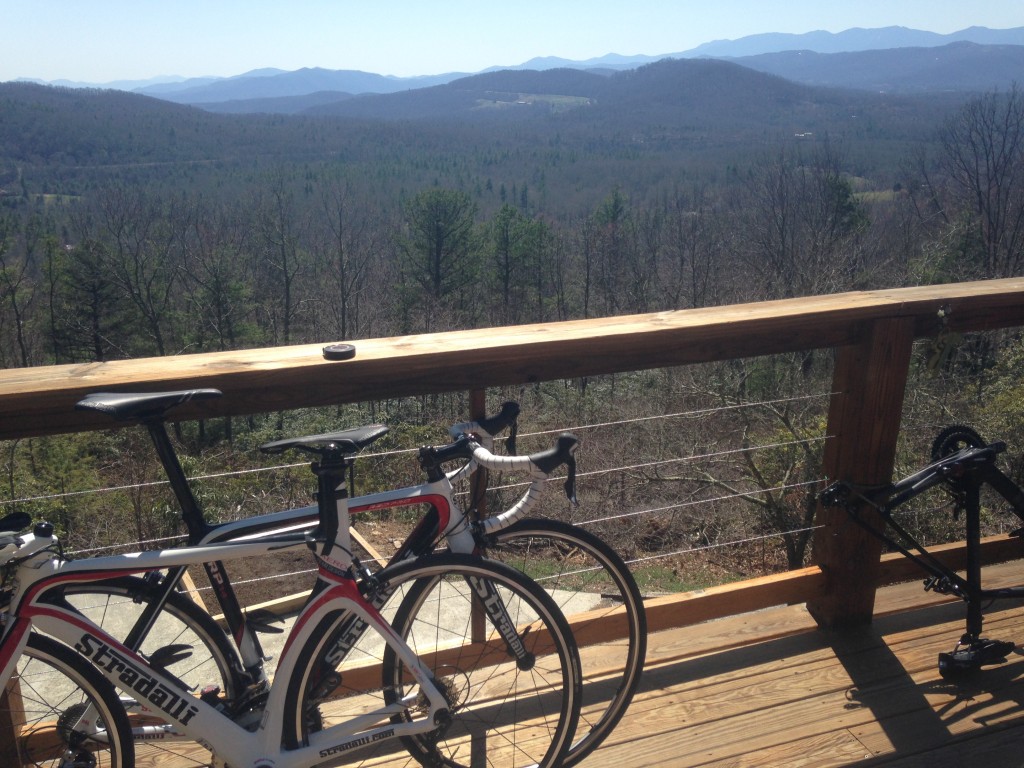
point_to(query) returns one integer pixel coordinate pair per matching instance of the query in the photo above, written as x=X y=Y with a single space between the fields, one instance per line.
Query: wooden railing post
x=478 y=410
x=864 y=421
x=478 y=482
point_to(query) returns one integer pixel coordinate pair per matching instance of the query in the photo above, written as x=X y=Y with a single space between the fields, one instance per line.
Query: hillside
x=700 y=99
x=47 y=125
x=690 y=99
x=567 y=134
x=526 y=93
x=64 y=127
x=281 y=84
x=964 y=67
x=278 y=105
x=961 y=66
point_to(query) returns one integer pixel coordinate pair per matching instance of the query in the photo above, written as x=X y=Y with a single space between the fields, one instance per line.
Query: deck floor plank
x=806 y=698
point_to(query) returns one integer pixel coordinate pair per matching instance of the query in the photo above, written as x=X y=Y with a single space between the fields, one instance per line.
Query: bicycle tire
x=54 y=687
x=211 y=661
x=181 y=622
x=553 y=683
x=586 y=576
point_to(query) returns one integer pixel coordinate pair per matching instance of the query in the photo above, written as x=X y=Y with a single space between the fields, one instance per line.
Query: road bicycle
x=572 y=564
x=962 y=463
x=443 y=693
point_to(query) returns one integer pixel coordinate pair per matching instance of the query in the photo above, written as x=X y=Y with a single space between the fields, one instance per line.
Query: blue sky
x=100 y=41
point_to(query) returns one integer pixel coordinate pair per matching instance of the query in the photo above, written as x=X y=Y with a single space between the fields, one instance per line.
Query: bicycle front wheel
x=57 y=710
x=505 y=711
x=598 y=594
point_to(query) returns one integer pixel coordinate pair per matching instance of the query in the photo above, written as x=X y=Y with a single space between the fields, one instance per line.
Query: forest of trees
x=129 y=271
x=188 y=254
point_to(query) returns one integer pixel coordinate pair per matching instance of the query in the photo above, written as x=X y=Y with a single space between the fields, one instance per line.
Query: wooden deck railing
x=872 y=333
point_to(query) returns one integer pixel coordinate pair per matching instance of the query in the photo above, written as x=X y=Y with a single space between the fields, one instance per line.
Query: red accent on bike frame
x=29 y=608
x=438 y=501
x=71 y=617
x=343 y=587
x=12 y=640
x=86 y=576
x=347 y=588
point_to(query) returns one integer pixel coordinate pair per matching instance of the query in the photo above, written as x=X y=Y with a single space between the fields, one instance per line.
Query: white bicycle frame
x=39 y=574
x=452 y=521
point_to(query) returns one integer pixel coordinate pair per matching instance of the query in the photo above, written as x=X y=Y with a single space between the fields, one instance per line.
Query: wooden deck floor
x=769 y=690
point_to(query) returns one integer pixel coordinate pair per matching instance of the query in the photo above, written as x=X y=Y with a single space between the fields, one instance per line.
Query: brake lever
x=570 y=480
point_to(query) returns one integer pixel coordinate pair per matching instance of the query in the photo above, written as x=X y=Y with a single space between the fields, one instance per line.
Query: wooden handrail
x=39 y=401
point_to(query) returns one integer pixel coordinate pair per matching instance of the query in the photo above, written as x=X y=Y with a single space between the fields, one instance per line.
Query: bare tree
x=217 y=279
x=145 y=252
x=694 y=252
x=283 y=256
x=349 y=240
x=983 y=149
x=18 y=247
x=614 y=249
x=799 y=224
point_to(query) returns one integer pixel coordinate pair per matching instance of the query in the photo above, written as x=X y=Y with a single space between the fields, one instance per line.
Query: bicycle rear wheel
x=184 y=641
x=598 y=594
x=502 y=713
x=61 y=712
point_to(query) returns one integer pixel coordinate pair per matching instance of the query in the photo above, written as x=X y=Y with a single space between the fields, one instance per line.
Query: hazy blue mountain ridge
x=961 y=66
x=891 y=59
x=888 y=59
x=669 y=103
x=852 y=40
x=857 y=39
x=297 y=83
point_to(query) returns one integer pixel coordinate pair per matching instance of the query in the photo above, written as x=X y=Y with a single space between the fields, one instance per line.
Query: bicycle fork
x=495 y=609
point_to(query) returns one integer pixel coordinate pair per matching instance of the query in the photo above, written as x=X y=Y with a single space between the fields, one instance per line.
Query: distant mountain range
x=703 y=111
x=856 y=39
x=961 y=66
x=892 y=59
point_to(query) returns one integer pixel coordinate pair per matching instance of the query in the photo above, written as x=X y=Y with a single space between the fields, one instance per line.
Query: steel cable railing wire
x=582 y=523
x=512 y=486
x=696 y=413
x=404 y=451
x=720 y=545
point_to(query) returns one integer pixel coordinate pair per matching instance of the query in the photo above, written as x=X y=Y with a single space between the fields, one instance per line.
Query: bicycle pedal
x=210 y=694
x=998 y=650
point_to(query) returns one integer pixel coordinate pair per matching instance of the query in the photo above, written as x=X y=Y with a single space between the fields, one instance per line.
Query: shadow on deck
x=795 y=696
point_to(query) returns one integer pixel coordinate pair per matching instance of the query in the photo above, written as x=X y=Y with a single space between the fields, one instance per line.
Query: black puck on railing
x=339 y=352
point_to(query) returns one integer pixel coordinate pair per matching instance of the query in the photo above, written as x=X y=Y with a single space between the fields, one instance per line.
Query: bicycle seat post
x=191 y=511
x=332 y=530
